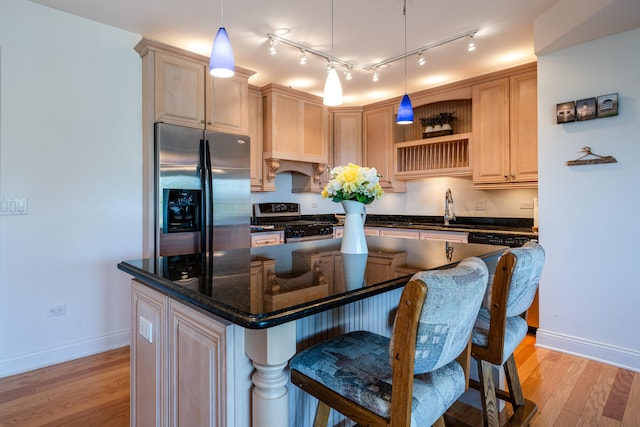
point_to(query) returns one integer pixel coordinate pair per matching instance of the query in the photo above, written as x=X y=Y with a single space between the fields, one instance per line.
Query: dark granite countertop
x=266 y=286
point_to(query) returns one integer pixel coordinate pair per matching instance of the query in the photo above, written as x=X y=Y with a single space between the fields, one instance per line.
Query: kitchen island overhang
x=219 y=282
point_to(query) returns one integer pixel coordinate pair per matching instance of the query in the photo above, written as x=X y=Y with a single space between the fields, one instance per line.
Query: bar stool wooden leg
x=322 y=415
x=487 y=388
x=513 y=382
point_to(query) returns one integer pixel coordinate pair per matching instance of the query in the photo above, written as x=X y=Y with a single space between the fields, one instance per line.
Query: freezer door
x=230 y=189
x=177 y=166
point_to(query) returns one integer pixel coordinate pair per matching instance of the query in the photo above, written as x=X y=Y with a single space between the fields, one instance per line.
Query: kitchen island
x=214 y=331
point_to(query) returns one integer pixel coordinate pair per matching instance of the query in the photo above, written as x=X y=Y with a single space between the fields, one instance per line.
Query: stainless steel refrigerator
x=202 y=190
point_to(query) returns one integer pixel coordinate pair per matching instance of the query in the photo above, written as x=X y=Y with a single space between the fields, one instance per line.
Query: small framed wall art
x=608 y=105
x=566 y=112
x=586 y=109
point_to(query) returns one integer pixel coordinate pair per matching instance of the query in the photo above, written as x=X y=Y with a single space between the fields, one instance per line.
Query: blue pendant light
x=221 y=63
x=405 y=111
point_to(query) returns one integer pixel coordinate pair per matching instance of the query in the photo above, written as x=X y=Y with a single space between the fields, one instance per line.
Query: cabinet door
x=523 y=100
x=379 y=268
x=179 y=91
x=227 y=107
x=491 y=132
x=255 y=133
x=378 y=143
x=197 y=368
x=347 y=138
x=148 y=357
x=315 y=132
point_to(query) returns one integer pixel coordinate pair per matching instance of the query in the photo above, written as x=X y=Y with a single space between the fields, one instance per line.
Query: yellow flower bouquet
x=353 y=182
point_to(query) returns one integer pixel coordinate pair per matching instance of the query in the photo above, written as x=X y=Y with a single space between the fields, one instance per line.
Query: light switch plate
x=13 y=206
x=145 y=328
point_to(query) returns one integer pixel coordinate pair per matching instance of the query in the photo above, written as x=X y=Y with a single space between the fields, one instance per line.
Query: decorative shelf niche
x=440 y=156
x=448 y=155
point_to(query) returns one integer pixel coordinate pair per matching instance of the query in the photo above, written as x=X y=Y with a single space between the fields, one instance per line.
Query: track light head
x=376 y=75
x=303 y=57
x=272 y=47
x=471 y=46
x=421 y=59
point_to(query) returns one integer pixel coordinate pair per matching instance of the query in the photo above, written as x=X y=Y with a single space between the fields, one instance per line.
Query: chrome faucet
x=449 y=211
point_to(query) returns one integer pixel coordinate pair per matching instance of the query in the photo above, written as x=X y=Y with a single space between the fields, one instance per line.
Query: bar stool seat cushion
x=356 y=365
x=515 y=330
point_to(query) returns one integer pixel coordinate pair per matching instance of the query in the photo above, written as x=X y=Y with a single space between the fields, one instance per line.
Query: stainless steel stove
x=288 y=217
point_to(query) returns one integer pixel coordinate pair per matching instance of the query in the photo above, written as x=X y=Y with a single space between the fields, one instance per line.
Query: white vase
x=428 y=129
x=353 y=239
x=437 y=128
x=446 y=126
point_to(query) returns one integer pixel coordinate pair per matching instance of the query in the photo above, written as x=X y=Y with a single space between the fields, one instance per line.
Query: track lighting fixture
x=221 y=62
x=272 y=46
x=421 y=59
x=471 y=46
x=376 y=75
x=348 y=74
x=303 y=57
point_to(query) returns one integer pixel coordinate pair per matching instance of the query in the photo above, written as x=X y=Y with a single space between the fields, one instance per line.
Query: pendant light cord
x=404 y=12
x=332 y=33
x=222 y=15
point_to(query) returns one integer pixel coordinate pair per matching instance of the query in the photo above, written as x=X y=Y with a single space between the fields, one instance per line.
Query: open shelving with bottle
x=449 y=155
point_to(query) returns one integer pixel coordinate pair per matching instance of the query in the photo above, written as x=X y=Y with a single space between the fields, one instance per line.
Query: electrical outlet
x=481 y=205
x=145 y=328
x=526 y=204
x=57 y=310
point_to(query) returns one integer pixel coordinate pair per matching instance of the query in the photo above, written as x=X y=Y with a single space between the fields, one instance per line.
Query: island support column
x=270 y=350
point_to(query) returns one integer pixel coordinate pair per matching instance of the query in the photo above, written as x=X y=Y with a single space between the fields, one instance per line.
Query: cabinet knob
x=202 y=121
x=513 y=175
x=209 y=123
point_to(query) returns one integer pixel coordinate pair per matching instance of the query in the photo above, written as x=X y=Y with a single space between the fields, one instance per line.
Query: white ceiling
x=365 y=32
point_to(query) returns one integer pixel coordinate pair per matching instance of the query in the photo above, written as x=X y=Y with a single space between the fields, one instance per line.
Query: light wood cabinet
x=378 y=145
x=178 y=89
x=505 y=132
x=179 y=364
x=403 y=233
x=255 y=133
x=295 y=125
x=296 y=137
x=149 y=392
x=197 y=368
x=347 y=137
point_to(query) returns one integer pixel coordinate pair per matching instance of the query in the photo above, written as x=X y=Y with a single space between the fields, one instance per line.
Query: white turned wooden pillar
x=270 y=350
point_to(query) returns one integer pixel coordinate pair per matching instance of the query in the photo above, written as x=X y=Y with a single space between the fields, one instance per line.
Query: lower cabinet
x=178 y=363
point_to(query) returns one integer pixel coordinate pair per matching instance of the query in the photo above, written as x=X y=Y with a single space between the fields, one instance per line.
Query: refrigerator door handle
x=203 y=202
x=208 y=204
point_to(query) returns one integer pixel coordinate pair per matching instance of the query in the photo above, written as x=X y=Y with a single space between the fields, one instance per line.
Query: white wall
x=70 y=132
x=423 y=197
x=590 y=287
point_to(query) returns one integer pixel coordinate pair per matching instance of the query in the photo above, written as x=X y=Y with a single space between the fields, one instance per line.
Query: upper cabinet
x=180 y=91
x=296 y=137
x=346 y=142
x=378 y=126
x=295 y=125
x=255 y=133
x=505 y=152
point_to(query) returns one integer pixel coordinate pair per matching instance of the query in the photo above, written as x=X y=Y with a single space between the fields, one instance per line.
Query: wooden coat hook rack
x=594 y=159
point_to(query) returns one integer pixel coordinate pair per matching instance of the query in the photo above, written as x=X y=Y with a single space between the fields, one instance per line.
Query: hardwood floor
x=94 y=391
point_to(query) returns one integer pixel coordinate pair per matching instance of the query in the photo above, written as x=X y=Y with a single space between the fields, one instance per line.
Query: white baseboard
x=600 y=352
x=65 y=353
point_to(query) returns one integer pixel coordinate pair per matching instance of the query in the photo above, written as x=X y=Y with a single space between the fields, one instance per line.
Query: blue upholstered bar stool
x=501 y=326
x=426 y=359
